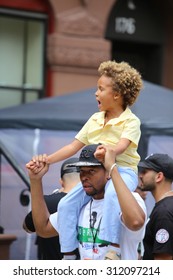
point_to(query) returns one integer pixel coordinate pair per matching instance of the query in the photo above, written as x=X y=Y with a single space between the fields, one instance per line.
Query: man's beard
x=95 y=191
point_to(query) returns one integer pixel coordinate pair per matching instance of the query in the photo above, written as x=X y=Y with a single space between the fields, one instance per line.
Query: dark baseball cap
x=65 y=168
x=159 y=163
x=87 y=157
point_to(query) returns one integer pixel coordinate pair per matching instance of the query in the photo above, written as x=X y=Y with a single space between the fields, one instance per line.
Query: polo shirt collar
x=99 y=118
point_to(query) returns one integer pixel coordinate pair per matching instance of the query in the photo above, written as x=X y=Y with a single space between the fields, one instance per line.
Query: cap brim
x=70 y=169
x=84 y=163
x=144 y=165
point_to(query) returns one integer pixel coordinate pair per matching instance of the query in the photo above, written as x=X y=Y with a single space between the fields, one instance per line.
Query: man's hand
x=38 y=171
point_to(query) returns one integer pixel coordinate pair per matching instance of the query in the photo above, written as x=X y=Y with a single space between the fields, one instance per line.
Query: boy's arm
x=61 y=154
x=65 y=152
x=121 y=146
x=131 y=134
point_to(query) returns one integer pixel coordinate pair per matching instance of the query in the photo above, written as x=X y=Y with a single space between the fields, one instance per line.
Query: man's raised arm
x=40 y=211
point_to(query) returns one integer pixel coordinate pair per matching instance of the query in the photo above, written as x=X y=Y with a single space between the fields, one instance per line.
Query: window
x=22 y=57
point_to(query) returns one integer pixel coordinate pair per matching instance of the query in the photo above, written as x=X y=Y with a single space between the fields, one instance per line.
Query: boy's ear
x=116 y=95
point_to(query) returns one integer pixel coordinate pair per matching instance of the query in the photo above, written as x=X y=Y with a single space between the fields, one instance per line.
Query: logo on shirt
x=162 y=236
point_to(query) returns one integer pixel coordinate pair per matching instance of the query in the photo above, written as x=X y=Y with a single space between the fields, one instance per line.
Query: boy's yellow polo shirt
x=127 y=125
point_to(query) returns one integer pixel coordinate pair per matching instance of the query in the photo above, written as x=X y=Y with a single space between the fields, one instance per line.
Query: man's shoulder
x=52 y=200
x=138 y=197
x=54 y=195
x=140 y=201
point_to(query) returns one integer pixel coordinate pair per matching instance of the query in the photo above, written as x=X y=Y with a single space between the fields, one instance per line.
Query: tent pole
x=29 y=236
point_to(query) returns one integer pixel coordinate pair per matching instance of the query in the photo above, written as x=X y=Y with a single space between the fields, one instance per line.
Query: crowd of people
x=103 y=216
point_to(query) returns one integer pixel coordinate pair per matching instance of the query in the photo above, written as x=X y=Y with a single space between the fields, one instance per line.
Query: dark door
x=145 y=58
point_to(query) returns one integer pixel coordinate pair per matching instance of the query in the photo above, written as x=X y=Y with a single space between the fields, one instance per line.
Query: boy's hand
x=106 y=155
x=100 y=153
x=36 y=163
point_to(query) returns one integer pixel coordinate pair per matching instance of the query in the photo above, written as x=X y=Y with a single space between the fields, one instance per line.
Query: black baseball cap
x=159 y=163
x=87 y=157
x=65 y=168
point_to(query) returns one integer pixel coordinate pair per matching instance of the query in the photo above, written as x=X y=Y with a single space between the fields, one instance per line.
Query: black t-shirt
x=52 y=201
x=159 y=230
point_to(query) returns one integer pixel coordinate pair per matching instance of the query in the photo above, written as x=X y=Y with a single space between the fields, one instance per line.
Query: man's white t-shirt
x=129 y=240
x=90 y=246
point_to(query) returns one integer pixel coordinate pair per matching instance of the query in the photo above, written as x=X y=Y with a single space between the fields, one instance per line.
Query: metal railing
x=24 y=199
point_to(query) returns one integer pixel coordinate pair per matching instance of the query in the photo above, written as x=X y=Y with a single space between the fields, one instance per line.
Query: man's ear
x=159 y=176
x=61 y=182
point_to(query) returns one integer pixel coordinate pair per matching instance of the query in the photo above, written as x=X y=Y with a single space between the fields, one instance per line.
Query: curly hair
x=126 y=80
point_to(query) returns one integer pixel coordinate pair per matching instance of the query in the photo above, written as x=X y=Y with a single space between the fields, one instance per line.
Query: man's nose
x=84 y=177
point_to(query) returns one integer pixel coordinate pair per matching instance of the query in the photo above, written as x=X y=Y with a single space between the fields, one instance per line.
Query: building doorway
x=146 y=58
